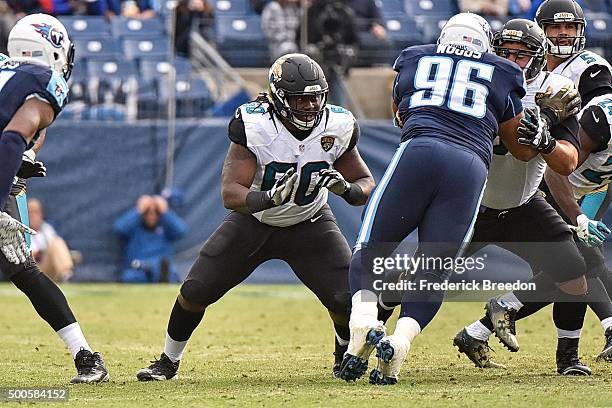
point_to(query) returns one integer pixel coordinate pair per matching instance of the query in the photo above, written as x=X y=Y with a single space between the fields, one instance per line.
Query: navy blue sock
x=12 y=146
x=423 y=305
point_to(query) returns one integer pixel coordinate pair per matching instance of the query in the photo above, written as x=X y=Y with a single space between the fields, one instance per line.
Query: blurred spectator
x=519 y=8
x=22 y=8
x=6 y=23
x=280 y=21
x=192 y=14
x=373 y=41
x=150 y=228
x=48 y=248
x=484 y=7
x=332 y=38
x=128 y=8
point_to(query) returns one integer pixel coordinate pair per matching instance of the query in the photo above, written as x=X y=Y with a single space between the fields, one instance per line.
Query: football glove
x=281 y=191
x=559 y=106
x=30 y=167
x=333 y=181
x=12 y=241
x=534 y=132
x=592 y=233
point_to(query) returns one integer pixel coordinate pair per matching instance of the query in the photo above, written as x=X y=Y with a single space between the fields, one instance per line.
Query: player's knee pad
x=197 y=293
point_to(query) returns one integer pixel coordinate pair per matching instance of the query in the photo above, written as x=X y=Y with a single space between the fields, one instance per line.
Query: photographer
x=332 y=37
x=149 y=229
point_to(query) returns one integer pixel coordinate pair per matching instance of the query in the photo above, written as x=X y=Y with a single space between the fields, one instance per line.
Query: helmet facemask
x=578 y=41
x=295 y=108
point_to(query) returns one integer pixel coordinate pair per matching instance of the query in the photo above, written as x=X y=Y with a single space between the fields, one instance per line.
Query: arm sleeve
x=174 y=227
x=567 y=130
x=236 y=131
x=127 y=223
x=595 y=81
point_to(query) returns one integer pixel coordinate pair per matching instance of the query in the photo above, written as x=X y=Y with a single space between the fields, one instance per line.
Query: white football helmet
x=42 y=38
x=469 y=30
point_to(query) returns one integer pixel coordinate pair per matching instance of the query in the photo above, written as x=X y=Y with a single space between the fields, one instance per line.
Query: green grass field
x=271 y=346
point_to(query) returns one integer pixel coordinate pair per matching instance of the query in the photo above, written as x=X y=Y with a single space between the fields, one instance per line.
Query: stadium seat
x=86 y=27
x=126 y=28
x=193 y=97
x=96 y=49
x=241 y=41
x=430 y=27
x=151 y=69
x=235 y=7
x=437 y=8
x=599 y=29
x=111 y=68
x=597 y=6
x=403 y=31
x=146 y=49
x=391 y=8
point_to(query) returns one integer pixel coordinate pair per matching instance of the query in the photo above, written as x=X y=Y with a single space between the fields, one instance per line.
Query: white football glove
x=12 y=242
x=592 y=233
x=281 y=191
x=333 y=181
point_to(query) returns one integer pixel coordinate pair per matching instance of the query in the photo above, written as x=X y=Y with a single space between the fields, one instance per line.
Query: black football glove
x=534 y=132
x=30 y=167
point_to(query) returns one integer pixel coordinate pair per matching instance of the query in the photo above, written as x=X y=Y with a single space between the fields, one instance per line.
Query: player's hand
x=592 y=233
x=281 y=191
x=30 y=167
x=534 y=132
x=559 y=106
x=12 y=241
x=333 y=181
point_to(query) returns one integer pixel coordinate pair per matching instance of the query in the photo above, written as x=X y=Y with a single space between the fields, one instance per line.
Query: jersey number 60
x=439 y=81
x=306 y=173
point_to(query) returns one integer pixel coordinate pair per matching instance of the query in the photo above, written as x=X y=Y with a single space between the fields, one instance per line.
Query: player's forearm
x=235 y=197
x=562 y=192
x=360 y=191
x=563 y=159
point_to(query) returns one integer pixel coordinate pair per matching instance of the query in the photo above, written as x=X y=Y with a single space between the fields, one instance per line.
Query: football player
x=33 y=91
x=512 y=203
x=288 y=150
x=451 y=100
x=564 y=24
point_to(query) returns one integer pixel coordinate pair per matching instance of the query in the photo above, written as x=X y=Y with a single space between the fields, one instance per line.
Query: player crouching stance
x=33 y=91
x=289 y=148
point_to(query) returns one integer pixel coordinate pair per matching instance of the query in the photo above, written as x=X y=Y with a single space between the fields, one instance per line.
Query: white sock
x=606 y=323
x=407 y=328
x=509 y=300
x=364 y=303
x=569 y=334
x=479 y=331
x=73 y=338
x=174 y=349
x=341 y=341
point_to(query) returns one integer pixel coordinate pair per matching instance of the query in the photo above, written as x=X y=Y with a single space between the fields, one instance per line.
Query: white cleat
x=366 y=332
x=391 y=352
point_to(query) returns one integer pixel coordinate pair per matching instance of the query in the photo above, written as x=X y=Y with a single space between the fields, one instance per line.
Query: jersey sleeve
x=354 y=136
x=54 y=90
x=568 y=131
x=595 y=124
x=510 y=86
x=595 y=81
x=236 y=131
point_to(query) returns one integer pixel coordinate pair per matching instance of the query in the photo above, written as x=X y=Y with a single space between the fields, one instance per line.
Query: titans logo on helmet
x=50 y=33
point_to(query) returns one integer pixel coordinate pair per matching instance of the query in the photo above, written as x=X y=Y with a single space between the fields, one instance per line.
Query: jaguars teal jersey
x=19 y=82
x=458 y=96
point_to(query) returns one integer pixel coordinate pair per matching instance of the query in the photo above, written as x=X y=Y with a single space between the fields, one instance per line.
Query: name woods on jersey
x=277 y=151
x=512 y=182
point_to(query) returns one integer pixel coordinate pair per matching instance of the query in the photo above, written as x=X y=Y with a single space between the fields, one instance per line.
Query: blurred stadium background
x=154 y=85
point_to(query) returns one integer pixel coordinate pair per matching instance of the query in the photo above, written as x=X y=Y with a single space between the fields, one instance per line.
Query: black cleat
x=568 y=362
x=504 y=324
x=606 y=353
x=378 y=378
x=476 y=350
x=159 y=370
x=90 y=368
x=338 y=356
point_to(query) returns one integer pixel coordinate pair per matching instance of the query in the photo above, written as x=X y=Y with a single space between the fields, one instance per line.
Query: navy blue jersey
x=456 y=95
x=19 y=82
